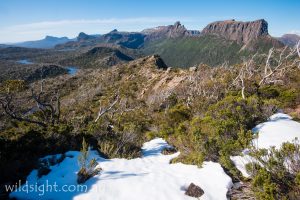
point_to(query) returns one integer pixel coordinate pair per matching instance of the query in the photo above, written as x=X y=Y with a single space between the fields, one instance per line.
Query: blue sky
x=22 y=20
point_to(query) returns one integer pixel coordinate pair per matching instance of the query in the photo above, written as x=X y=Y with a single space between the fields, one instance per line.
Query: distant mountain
x=46 y=43
x=244 y=33
x=241 y=32
x=172 y=31
x=4 y=46
x=83 y=36
x=132 y=40
x=82 y=40
x=289 y=39
x=218 y=42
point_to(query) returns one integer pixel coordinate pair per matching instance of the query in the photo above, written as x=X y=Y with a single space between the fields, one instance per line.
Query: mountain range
x=47 y=42
x=219 y=42
x=241 y=32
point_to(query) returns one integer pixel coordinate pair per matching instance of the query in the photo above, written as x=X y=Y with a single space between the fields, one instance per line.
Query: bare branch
x=102 y=111
x=6 y=105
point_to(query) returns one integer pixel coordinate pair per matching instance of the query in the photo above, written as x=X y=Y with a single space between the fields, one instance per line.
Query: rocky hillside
x=200 y=111
x=98 y=57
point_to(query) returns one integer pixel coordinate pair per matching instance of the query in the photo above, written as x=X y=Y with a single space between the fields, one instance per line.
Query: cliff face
x=171 y=31
x=241 y=32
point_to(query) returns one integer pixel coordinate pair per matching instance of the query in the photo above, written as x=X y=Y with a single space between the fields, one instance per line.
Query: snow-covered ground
x=147 y=178
x=278 y=129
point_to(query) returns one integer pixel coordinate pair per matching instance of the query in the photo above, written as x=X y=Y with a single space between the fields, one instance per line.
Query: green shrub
x=87 y=167
x=277 y=174
x=288 y=97
x=269 y=92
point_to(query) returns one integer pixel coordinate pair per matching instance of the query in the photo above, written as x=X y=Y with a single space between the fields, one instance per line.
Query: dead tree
x=277 y=63
x=49 y=109
x=245 y=73
x=6 y=103
x=276 y=66
x=103 y=110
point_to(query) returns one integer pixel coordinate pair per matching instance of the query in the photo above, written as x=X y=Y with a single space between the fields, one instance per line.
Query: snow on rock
x=150 y=177
x=278 y=129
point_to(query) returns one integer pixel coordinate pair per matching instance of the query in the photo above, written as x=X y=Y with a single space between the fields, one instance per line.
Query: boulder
x=194 y=191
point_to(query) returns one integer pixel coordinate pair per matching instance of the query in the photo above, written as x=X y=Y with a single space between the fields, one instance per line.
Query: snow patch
x=278 y=129
x=150 y=177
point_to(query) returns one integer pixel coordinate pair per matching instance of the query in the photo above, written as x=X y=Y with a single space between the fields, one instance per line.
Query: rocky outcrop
x=171 y=31
x=241 y=32
x=241 y=190
x=158 y=61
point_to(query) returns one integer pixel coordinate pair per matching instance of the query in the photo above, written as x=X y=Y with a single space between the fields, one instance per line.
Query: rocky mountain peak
x=158 y=61
x=171 y=31
x=177 y=24
x=151 y=61
x=83 y=36
x=241 y=32
x=114 y=31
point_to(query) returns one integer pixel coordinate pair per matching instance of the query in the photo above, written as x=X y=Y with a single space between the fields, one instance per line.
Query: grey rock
x=241 y=32
x=194 y=191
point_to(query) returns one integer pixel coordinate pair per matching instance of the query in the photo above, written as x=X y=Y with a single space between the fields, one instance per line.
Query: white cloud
x=70 y=28
x=295 y=32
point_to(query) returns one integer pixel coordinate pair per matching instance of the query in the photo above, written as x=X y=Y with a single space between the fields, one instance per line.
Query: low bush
x=87 y=167
x=276 y=172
